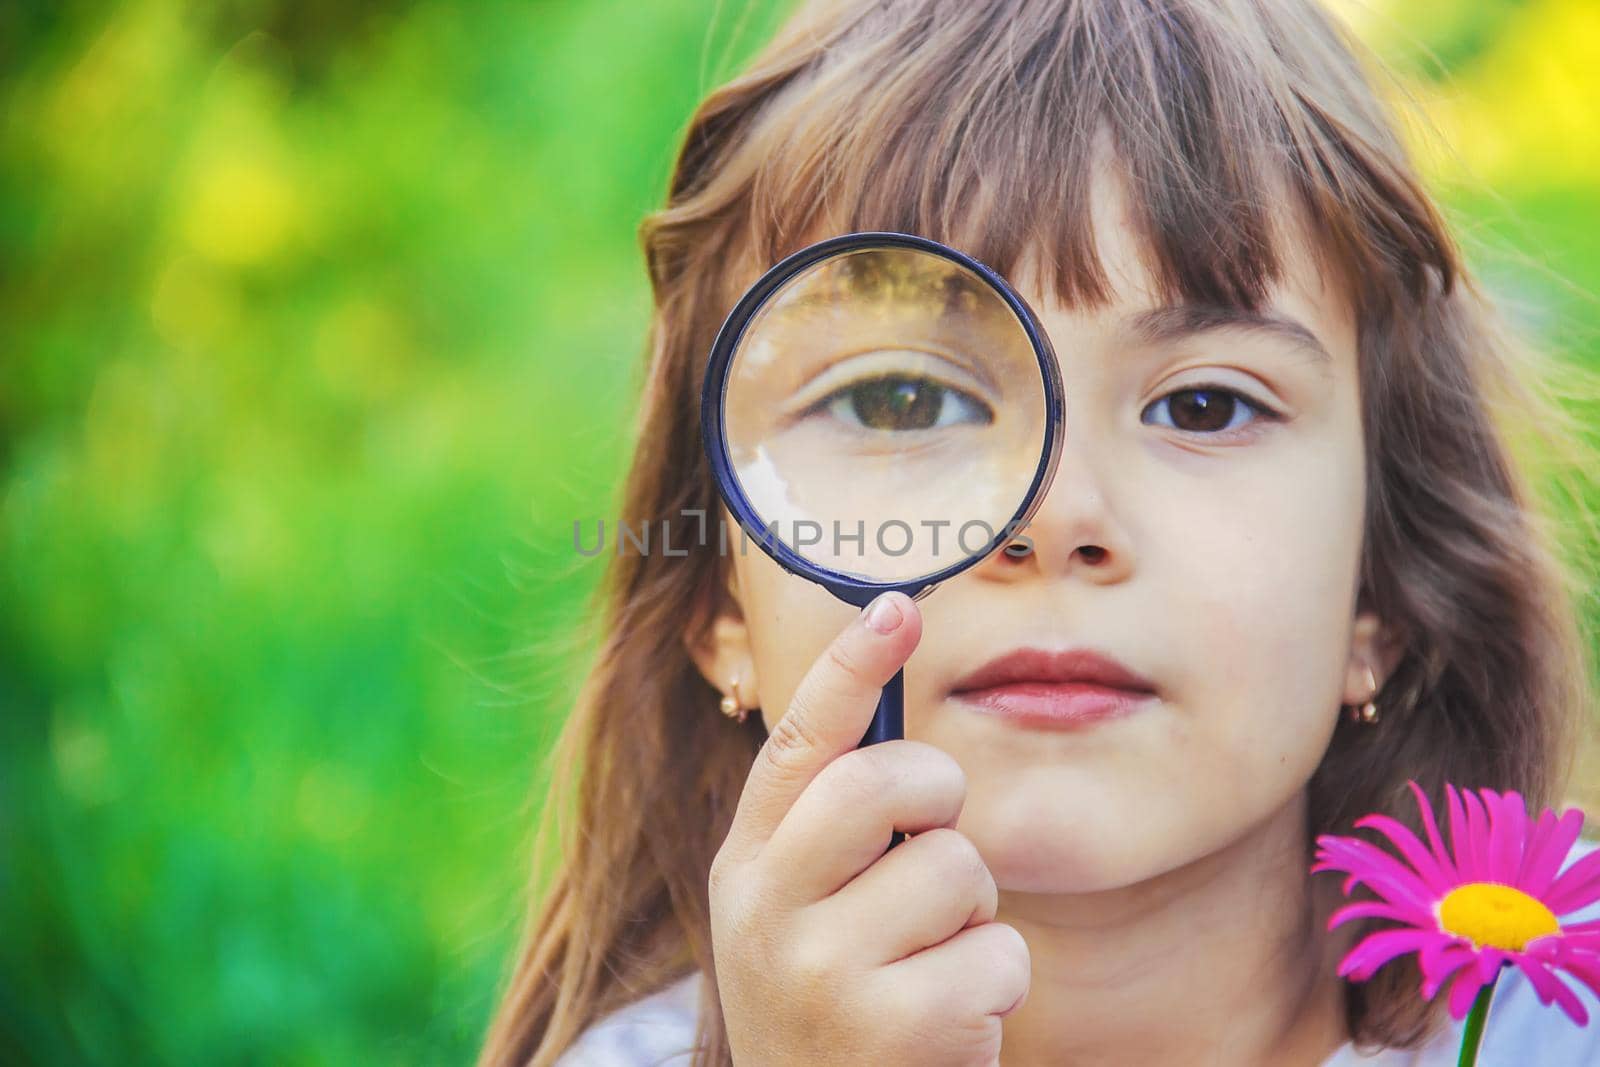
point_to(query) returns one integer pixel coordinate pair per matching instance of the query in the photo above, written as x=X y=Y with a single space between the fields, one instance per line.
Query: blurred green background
x=320 y=327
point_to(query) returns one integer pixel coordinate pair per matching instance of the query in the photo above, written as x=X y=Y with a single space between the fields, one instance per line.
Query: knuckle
x=735 y=901
x=729 y=916
x=843 y=658
x=1011 y=957
x=916 y=1006
x=957 y=778
x=792 y=735
x=976 y=1041
x=956 y=857
x=984 y=898
x=719 y=881
x=859 y=775
x=939 y=770
x=963 y=1032
x=813 y=965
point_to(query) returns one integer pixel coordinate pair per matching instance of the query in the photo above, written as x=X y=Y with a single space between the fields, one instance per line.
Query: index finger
x=830 y=711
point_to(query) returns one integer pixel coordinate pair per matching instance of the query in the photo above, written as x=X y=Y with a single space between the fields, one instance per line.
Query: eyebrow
x=917 y=281
x=1177 y=321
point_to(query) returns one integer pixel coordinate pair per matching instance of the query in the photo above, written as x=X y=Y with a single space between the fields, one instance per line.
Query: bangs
x=1233 y=127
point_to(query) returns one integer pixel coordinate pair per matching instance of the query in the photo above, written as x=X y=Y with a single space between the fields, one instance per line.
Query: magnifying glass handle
x=889 y=724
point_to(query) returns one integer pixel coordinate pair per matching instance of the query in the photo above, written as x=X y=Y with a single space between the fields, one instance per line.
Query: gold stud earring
x=731 y=706
x=1368 y=712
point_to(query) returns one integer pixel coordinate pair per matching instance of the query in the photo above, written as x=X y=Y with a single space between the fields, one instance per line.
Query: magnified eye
x=1204 y=409
x=899 y=402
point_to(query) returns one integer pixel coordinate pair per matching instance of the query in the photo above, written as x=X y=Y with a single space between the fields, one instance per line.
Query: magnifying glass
x=881 y=412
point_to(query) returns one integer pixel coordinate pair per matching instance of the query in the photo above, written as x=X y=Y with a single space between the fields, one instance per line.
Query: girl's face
x=1203 y=529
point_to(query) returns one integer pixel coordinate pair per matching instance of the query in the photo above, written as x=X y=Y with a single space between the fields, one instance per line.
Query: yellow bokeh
x=241 y=209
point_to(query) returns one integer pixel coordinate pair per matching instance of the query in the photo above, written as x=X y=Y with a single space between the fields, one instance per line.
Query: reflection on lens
x=884 y=407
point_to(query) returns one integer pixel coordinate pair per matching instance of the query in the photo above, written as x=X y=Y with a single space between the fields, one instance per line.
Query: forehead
x=1305 y=298
x=1306 y=288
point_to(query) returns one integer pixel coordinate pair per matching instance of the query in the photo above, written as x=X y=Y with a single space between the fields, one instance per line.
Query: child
x=1286 y=492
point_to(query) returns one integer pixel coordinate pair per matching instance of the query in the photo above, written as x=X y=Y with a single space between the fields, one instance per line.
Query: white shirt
x=658 y=1030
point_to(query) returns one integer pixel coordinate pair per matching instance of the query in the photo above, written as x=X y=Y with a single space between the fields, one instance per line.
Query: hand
x=829 y=949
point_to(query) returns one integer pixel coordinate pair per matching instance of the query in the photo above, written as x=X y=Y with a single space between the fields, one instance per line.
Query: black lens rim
x=850 y=588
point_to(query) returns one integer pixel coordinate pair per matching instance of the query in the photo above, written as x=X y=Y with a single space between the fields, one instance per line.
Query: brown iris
x=897 y=403
x=1202 y=410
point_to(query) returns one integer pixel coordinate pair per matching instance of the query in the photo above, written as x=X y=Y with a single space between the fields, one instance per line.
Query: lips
x=1039 y=688
x=1084 y=666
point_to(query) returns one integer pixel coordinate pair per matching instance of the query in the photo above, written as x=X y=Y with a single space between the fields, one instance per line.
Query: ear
x=720 y=647
x=1374 y=647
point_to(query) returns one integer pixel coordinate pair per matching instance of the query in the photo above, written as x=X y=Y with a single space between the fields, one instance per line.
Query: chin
x=1043 y=848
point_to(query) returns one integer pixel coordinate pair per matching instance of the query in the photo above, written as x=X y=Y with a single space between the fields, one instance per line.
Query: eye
x=900 y=402
x=1206 y=409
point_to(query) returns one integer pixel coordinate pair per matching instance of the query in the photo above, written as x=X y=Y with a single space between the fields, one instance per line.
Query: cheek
x=1261 y=592
x=791 y=621
x=1268 y=604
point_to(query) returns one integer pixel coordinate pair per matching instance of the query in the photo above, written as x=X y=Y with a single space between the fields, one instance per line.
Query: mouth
x=1067 y=689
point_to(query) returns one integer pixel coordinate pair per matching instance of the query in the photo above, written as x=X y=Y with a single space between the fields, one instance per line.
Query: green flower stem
x=1472 y=1035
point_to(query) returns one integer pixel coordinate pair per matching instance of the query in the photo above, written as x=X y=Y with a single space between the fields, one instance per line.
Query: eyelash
x=1262 y=411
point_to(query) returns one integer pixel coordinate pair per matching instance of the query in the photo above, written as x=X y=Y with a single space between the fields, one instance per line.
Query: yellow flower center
x=1488 y=913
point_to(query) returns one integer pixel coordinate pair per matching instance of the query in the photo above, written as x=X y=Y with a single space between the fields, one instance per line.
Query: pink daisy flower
x=1494 y=898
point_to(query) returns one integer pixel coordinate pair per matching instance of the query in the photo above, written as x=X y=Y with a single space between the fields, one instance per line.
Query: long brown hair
x=973 y=123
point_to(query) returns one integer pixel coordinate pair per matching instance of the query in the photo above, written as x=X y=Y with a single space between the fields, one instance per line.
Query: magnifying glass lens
x=885 y=414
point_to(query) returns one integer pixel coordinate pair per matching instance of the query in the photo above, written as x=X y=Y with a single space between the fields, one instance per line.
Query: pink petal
x=1403 y=839
x=1508 y=832
x=1578 y=885
x=1586 y=971
x=1538 y=835
x=1583 y=929
x=1555 y=947
x=1377 y=949
x=1461 y=845
x=1549 y=987
x=1463 y=991
x=1489 y=961
x=1366 y=863
x=1373 y=909
x=1431 y=828
x=1439 y=961
x=1478 y=832
x=1552 y=841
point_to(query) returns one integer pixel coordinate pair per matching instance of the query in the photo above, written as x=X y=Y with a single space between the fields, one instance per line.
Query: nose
x=1076 y=529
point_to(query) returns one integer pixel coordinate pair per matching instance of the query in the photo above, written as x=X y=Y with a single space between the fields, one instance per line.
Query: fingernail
x=884 y=615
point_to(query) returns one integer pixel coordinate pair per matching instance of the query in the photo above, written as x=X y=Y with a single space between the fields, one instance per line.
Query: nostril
x=1017 y=550
x=1092 y=554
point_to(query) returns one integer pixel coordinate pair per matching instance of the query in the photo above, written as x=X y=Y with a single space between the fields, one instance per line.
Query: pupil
x=897 y=403
x=1197 y=409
